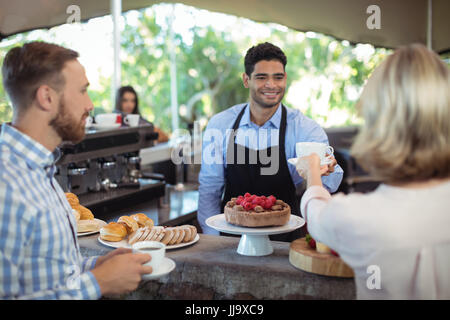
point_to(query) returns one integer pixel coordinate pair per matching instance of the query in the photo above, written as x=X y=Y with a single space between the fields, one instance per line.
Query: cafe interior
x=123 y=167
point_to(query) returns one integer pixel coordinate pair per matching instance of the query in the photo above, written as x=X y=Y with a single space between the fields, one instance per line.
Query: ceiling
x=401 y=21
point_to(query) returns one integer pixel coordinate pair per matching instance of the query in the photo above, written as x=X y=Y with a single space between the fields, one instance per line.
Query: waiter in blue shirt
x=246 y=147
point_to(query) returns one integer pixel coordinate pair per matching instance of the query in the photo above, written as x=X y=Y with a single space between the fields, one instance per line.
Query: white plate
x=166 y=267
x=124 y=243
x=105 y=127
x=293 y=161
x=101 y=224
x=219 y=223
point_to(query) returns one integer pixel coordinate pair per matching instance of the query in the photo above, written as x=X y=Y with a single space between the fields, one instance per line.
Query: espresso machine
x=104 y=170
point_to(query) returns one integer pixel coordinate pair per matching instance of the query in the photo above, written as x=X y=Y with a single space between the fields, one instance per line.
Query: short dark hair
x=119 y=96
x=263 y=51
x=28 y=67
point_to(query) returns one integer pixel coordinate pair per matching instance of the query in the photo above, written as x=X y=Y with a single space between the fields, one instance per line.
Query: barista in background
x=127 y=102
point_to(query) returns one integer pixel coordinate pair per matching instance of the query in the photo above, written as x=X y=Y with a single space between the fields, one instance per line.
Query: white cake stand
x=254 y=241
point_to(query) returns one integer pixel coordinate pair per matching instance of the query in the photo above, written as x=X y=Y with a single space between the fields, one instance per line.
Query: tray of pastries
x=138 y=227
x=86 y=222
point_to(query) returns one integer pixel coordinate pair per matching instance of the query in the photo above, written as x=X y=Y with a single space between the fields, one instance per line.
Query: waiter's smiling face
x=267 y=83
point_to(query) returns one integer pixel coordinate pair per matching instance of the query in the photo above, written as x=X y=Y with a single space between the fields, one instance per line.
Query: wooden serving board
x=303 y=257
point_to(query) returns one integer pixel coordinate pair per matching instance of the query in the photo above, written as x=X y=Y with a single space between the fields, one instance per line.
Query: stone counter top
x=212 y=269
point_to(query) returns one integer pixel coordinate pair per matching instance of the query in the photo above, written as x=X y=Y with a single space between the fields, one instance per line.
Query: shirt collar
x=35 y=154
x=275 y=120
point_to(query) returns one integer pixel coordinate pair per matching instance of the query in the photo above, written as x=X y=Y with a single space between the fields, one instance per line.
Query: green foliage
x=325 y=76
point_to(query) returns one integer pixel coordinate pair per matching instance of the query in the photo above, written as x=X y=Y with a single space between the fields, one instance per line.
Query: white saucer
x=167 y=265
x=293 y=161
x=98 y=126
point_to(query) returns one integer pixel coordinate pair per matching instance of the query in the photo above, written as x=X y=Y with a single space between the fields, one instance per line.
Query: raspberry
x=272 y=199
x=248 y=206
x=267 y=204
x=257 y=201
x=312 y=243
x=246 y=195
x=334 y=253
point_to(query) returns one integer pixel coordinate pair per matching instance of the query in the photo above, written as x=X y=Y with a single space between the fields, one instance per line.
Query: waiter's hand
x=330 y=167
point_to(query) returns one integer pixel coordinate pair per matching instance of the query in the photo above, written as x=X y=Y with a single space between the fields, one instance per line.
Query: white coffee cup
x=108 y=119
x=157 y=250
x=132 y=120
x=303 y=149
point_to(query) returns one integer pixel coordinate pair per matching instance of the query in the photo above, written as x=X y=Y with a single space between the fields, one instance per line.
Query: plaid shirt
x=39 y=252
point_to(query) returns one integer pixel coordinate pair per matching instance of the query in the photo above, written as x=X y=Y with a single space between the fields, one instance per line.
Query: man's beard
x=263 y=104
x=66 y=126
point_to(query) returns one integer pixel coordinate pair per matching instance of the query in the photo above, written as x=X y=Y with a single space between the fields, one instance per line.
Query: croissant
x=129 y=223
x=85 y=213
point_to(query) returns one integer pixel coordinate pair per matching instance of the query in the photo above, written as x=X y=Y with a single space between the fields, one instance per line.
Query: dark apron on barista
x=246 y=177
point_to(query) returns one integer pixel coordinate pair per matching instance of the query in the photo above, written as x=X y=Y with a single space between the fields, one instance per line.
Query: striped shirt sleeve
x=17 y=226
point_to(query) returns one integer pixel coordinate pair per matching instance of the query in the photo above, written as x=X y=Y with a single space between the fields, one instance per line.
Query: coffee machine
x=104 y=171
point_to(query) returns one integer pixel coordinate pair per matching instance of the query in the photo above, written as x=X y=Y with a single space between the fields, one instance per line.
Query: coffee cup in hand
x=132 y=120
x=157 y=250
x=324 y=151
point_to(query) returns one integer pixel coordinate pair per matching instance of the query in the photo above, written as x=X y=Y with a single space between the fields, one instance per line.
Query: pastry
x=168 y=235
x=322 y=248
x=187 y=233
x=175 y=236
x=72 y=199
x=113 y=231
x=257 y=211
x=136 y=235
x=145 y=234
x=85 y=213
x=129 y=223
x=193 y=232
x=155 y=234
x=190 y=235
x=142 y=220
x=318 y=246
x=87 y=226
x=181 y=236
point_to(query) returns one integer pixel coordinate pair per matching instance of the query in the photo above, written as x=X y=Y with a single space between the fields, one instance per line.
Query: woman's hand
x=310 y=163
x=309 y=168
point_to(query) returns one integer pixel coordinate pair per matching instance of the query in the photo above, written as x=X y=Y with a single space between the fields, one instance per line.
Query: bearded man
x=39 y=252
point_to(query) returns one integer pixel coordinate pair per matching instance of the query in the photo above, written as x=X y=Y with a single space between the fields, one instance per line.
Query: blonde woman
x=397 y=238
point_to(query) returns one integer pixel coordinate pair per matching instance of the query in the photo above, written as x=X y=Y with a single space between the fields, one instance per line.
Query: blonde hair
x=406 y=108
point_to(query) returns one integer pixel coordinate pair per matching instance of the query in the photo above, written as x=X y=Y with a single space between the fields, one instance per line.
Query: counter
x=212 y=269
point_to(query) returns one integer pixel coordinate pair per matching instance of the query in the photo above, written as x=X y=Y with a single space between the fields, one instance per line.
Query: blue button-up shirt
x=39 y=252
x=299 y=128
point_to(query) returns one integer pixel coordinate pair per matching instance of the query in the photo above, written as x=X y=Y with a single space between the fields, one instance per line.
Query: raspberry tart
x=257 y=211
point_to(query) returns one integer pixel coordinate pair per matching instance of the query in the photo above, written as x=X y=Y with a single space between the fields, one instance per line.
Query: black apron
x=246 y=177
